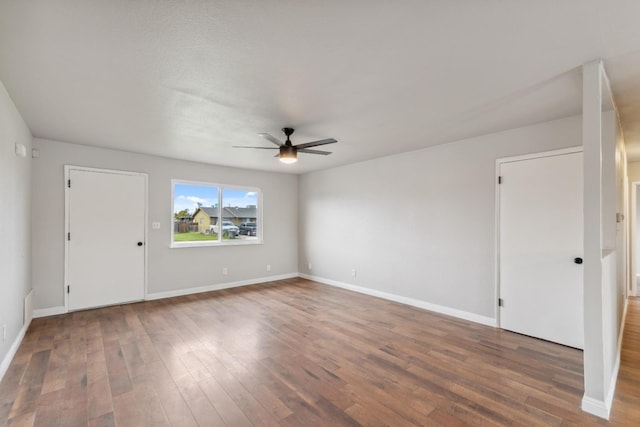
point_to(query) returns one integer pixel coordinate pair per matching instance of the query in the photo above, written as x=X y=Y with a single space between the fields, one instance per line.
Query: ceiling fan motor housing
x=288 y=151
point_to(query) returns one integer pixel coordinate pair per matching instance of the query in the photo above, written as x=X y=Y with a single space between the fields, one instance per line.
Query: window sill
x=179 y=245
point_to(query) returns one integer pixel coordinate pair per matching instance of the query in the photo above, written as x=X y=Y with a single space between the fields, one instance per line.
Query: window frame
x=254 y=240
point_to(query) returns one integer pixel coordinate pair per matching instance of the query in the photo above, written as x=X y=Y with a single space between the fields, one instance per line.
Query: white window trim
x=257 y=240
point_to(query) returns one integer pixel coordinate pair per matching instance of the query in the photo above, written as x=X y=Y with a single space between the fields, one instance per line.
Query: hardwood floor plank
x=99 y=401
x=177 y=411
x=246 y=402
x=367 y=415
x=298 y=353
x=626 y=404
x=105 y=420
x=30 y=386
x=56 y=374
x=74 y=410
x=49 y=410
x=202 y=410
x=9 y=388
x=230 y=413
x=139 y=407
x=271 y=402
x=119 y=380
x=24 y=420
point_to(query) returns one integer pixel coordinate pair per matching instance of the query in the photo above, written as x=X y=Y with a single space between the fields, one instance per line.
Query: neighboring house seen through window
x=207 y=214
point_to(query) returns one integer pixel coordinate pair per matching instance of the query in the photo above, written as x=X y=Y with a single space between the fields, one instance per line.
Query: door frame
x=499 y=162
x=632 y=287
x=67 y=174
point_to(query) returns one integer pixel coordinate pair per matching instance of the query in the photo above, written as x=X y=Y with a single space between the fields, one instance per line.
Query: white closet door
x=106 y=225
x=541 y=235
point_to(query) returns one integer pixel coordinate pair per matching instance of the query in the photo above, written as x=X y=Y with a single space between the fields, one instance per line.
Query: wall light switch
x=21 y=150
x=155 y=225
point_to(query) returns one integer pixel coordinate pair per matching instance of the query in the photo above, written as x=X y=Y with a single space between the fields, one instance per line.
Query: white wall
x=622 y=228
x=633 y=171
x=15 y=215
x=420 y=225
x=614 y=242
x=635 y=250
x=169 y=270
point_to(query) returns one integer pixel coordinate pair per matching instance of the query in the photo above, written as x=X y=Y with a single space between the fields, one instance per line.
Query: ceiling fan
x=289 y=152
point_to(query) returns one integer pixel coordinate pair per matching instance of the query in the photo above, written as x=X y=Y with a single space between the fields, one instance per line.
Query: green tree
x=182 y=214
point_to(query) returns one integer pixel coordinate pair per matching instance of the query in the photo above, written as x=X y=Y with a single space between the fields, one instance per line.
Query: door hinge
x=499 y=180
x=67 y=288
x=500 y=302
x=69 y=236
x=69 y=183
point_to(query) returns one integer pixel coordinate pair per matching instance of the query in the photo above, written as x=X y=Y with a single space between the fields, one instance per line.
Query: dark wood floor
x=297 y=353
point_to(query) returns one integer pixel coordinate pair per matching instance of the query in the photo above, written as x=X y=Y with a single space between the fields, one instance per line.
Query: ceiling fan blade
x=316 y=143
x=271 y=138
x=259 y=148
x=305 y=150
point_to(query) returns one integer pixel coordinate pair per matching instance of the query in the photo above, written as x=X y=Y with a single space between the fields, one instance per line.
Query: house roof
x=236 y=212
x=230 y=212
x=211 y=211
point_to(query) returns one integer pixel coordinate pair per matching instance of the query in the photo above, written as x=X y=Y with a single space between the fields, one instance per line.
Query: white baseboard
x=484 y=320
x=51 y=311
x=602 y=408
x=595 y=407
x=12 y=351
x=217 y=287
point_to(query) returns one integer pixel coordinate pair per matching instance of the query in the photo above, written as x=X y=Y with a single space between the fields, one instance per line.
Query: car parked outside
x=248 y=228
x=228 y=228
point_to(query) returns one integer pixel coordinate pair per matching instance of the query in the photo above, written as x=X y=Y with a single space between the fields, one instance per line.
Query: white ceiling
x=189 y=79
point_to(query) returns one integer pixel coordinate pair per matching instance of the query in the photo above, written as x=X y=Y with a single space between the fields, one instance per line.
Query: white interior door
x=106 y=219
x=541 y=235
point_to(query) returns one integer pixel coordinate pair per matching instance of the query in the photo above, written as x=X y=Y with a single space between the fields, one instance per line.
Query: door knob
x=140 y=244
x=577 y=260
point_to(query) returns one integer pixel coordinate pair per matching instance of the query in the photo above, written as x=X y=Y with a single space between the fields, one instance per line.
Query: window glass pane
x=195 y=212
x=240 y=214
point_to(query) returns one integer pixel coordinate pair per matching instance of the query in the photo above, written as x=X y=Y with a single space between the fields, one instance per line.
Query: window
x=207 y=214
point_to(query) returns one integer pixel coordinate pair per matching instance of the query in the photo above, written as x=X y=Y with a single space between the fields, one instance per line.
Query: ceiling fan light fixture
x=288 y=160
x=288 y=154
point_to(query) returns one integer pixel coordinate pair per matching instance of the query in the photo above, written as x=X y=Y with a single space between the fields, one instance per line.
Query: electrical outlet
x=353 y=272
x=4 y=332
x=268 y=267
x=225 y=271
x=309 y=266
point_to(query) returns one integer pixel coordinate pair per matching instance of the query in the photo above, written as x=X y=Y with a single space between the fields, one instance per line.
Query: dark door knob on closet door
x=577 y=260
x=139 y=243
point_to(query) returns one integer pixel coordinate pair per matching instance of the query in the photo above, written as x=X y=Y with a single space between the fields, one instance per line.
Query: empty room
x=277 y=213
